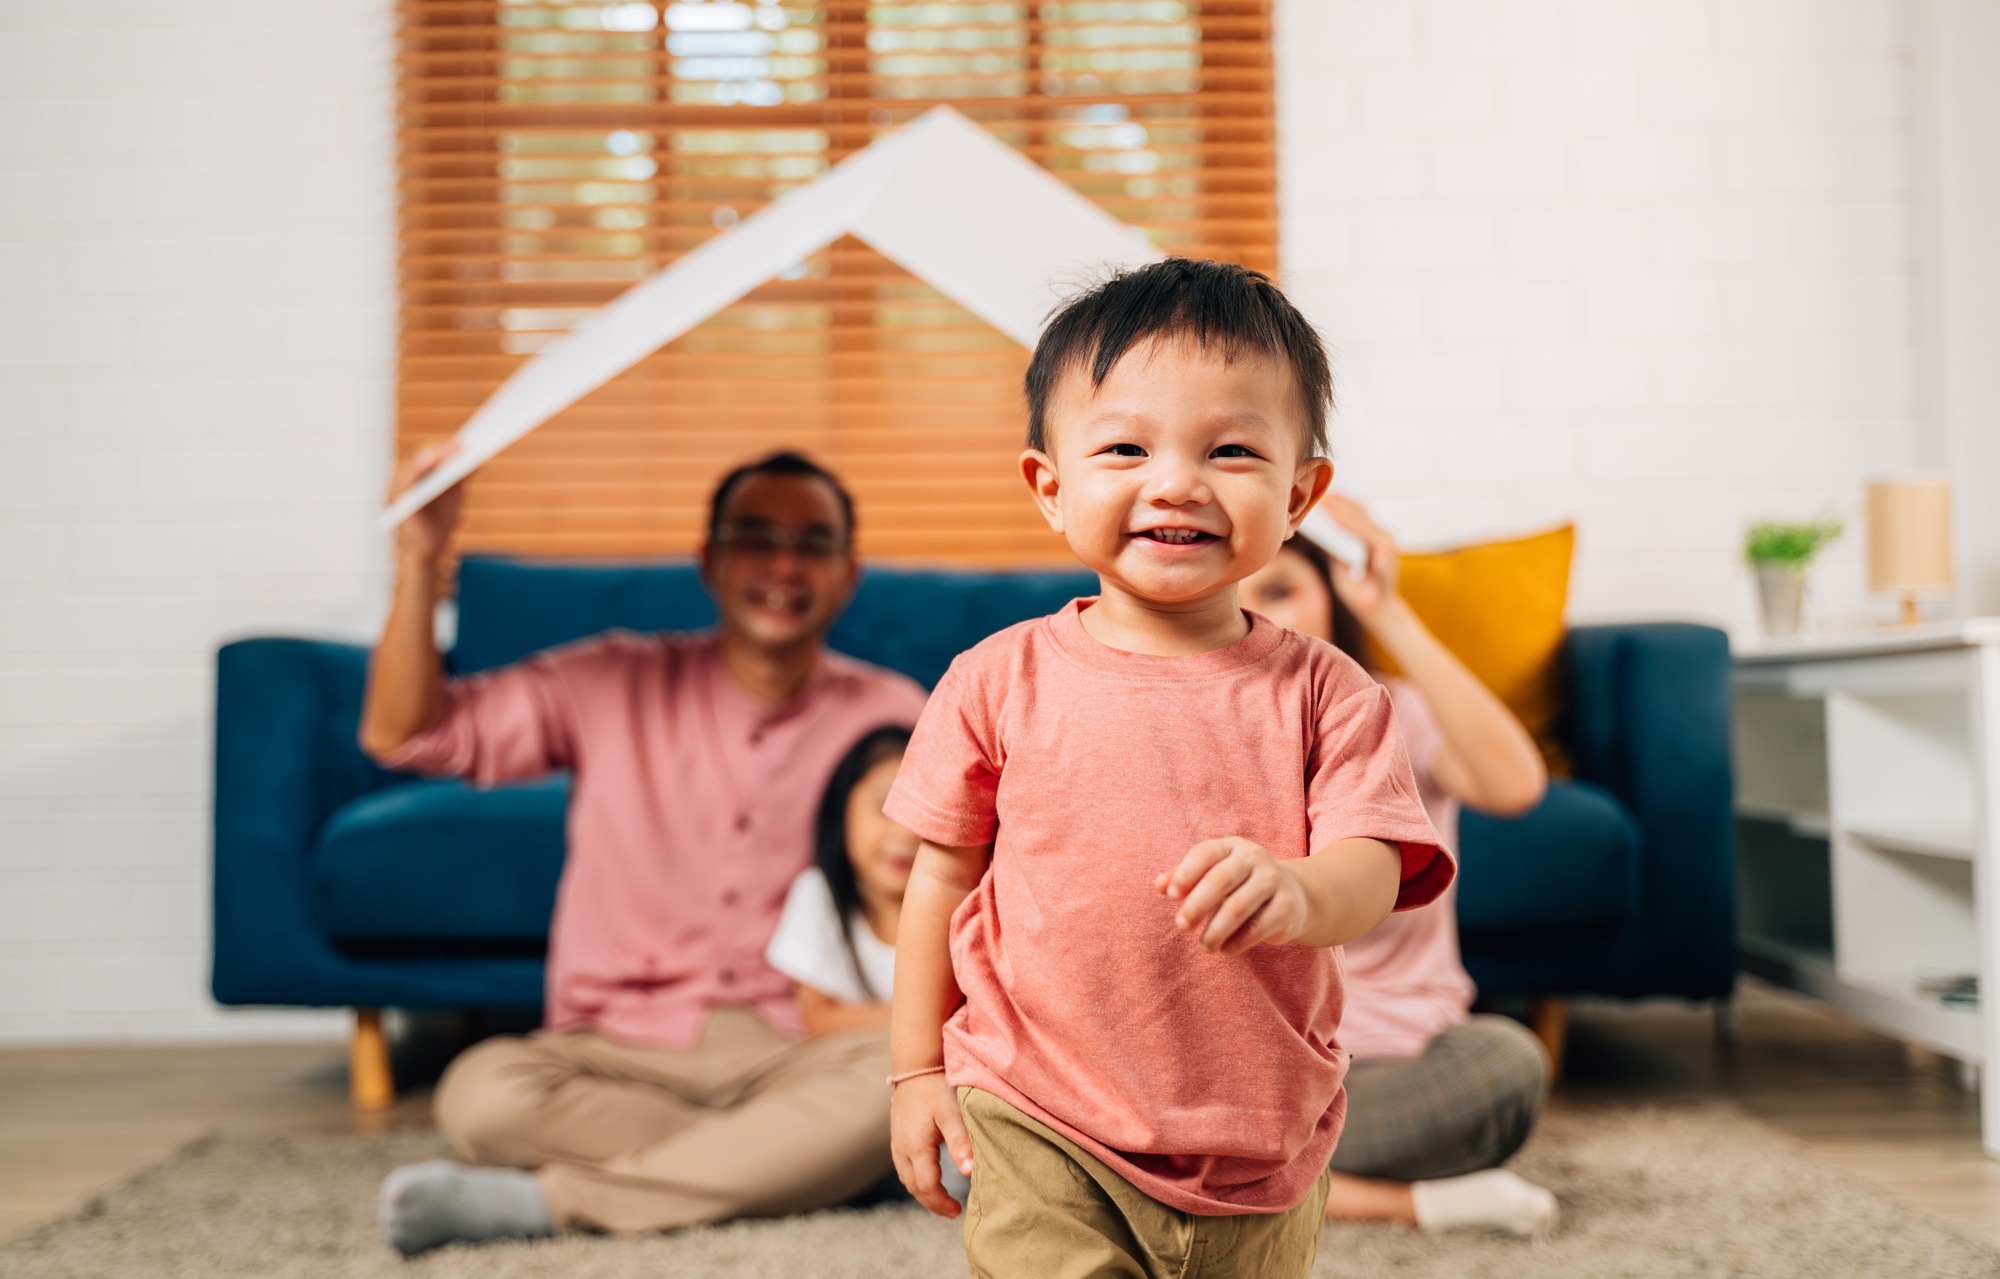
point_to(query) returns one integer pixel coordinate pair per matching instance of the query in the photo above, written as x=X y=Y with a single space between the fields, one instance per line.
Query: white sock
x=1495 y=1199
x=424 y=1206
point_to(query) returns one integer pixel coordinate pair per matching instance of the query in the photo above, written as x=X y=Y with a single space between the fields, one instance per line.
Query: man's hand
x=423 y=536
x=1236 y=895
x=923 y=1112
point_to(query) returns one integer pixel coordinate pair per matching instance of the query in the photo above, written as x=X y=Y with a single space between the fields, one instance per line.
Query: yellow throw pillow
x=1499 y=607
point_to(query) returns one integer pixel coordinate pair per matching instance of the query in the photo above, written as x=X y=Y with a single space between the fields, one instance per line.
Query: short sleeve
x=807 y=945
x=946 y=791
x=516 y=722
x=1359 y=786
x=1422 y=738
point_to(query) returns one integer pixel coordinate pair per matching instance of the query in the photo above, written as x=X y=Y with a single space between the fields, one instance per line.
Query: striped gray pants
x=1467 y=1103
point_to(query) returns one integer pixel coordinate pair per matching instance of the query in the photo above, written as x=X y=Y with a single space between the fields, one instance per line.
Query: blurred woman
x=1437 y=1098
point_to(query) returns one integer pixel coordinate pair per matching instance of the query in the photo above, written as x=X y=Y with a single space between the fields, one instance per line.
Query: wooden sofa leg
x=369 y=1077
x=1549 y=1019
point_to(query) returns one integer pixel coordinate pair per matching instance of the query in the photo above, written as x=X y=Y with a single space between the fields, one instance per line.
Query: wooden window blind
x=554 y=153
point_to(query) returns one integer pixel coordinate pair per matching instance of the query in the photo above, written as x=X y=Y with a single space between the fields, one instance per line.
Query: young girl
x=837 y=935
x=1436 y=1098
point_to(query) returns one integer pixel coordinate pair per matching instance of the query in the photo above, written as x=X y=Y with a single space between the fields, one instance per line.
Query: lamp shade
x=1909 y=535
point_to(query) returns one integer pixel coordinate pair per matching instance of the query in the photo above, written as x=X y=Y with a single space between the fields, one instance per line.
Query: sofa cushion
x=1499 y=607
x=438 y=866
x=508 y=609
x=909 y=620
x=916 y=620
x=1570 y=862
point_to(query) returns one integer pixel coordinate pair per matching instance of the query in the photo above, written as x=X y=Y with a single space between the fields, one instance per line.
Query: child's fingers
x=1235 y=911
x=951 y=1126
x=1265 y=925
x=928 y=1185
x=1205 y=898
x=918 y=1170
x=1181 y=880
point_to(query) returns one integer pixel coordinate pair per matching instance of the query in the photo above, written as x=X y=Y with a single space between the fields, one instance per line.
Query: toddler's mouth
x=1175 y=536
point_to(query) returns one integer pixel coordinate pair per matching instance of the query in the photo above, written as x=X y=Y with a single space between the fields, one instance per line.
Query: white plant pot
x=1781 y=592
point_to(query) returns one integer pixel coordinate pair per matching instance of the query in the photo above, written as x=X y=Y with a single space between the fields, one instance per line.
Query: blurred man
x=669 y=1086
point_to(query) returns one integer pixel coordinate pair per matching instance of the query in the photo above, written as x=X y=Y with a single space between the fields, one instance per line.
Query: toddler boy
x=1147 y=821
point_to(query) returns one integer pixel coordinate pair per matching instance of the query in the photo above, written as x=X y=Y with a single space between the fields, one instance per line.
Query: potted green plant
x=1778 y=552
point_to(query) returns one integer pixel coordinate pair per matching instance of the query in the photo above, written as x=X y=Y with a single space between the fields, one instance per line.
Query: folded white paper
x=941 y=197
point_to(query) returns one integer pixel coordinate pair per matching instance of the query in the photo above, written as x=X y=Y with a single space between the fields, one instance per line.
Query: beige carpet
x=1645 y=1194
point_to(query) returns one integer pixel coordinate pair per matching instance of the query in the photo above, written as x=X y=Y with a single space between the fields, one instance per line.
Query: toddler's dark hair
x=1215 y=303
x=830 y=832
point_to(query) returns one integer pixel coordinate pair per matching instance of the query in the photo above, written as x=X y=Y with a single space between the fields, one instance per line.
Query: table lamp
x=1909 y=539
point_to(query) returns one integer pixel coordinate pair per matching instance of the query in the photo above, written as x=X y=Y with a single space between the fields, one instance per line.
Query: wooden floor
x=75 y=1120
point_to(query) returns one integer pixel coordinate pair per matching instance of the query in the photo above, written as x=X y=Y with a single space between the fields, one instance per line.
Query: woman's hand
x=924 y=1112
x=1367 y=595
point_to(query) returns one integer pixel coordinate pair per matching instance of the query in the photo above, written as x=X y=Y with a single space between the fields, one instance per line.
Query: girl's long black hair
x=1347 y=628
x=830 y=832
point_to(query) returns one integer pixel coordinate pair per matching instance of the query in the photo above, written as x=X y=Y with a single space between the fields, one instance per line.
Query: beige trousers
x=626 y=1137
x=1045 y=1207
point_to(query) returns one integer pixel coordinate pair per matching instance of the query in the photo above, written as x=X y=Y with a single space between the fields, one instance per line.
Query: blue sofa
x=338 y=883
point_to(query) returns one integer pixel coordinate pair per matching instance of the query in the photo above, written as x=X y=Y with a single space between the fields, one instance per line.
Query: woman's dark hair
x=1347 y=628
x=830 y=832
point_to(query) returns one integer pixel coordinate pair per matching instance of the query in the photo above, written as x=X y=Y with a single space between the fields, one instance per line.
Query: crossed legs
x=630 y=1138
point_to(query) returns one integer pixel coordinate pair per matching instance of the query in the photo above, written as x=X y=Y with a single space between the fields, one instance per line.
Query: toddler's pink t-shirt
x=1211 y=1083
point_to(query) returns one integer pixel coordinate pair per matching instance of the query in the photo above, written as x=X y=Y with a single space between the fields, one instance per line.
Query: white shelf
x=1906 y=1013
x=1806 y=825
x=1867 y=643
x=1953 y=842
x=1883 y=750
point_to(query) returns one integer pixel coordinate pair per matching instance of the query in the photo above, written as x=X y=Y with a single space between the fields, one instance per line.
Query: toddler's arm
x=925 y=1109
x=1235 y=895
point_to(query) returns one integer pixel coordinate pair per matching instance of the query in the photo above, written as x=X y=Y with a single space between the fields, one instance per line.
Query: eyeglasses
x=813 y=543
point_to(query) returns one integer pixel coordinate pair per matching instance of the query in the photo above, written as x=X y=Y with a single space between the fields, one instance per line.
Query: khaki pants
x=1042 y=1207
x=626 y=1137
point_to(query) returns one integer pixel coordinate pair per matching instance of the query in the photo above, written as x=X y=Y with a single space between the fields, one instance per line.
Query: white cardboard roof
x=943 y=198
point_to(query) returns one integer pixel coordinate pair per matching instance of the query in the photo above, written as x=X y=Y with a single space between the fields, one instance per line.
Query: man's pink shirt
x=1211 y=1083
x=691 y=811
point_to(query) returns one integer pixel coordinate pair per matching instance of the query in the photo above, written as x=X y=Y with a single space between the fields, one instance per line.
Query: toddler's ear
x=1314 y=477
x=1039 y=470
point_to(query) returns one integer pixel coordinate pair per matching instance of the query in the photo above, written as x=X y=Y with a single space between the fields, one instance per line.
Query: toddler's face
x=1179 y=476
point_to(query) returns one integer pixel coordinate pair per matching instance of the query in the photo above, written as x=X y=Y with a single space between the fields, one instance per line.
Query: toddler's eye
x=1232 y=450
x=1126 y=450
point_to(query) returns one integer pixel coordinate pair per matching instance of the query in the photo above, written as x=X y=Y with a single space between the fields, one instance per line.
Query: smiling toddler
x=1147 y=821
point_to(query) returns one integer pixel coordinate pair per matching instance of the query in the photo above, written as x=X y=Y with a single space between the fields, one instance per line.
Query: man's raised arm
x=405 y=684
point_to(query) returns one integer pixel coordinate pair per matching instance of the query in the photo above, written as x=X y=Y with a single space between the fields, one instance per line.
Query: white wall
x=1645 y=265
x=1958 y=196
x=195 y=356
x=1648 y=265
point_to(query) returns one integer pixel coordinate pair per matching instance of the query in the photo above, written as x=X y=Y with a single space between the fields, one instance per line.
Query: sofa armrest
x=286 y=713
x=1646 y=717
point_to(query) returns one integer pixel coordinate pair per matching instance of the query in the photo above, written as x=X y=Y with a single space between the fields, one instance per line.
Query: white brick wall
x=195 y=346
x=1649 y=266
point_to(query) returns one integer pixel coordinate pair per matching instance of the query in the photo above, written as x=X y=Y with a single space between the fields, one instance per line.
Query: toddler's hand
x=923 y=1112
x=1236 y=894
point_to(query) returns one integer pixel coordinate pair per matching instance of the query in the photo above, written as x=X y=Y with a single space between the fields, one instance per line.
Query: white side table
x=1868 y=799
